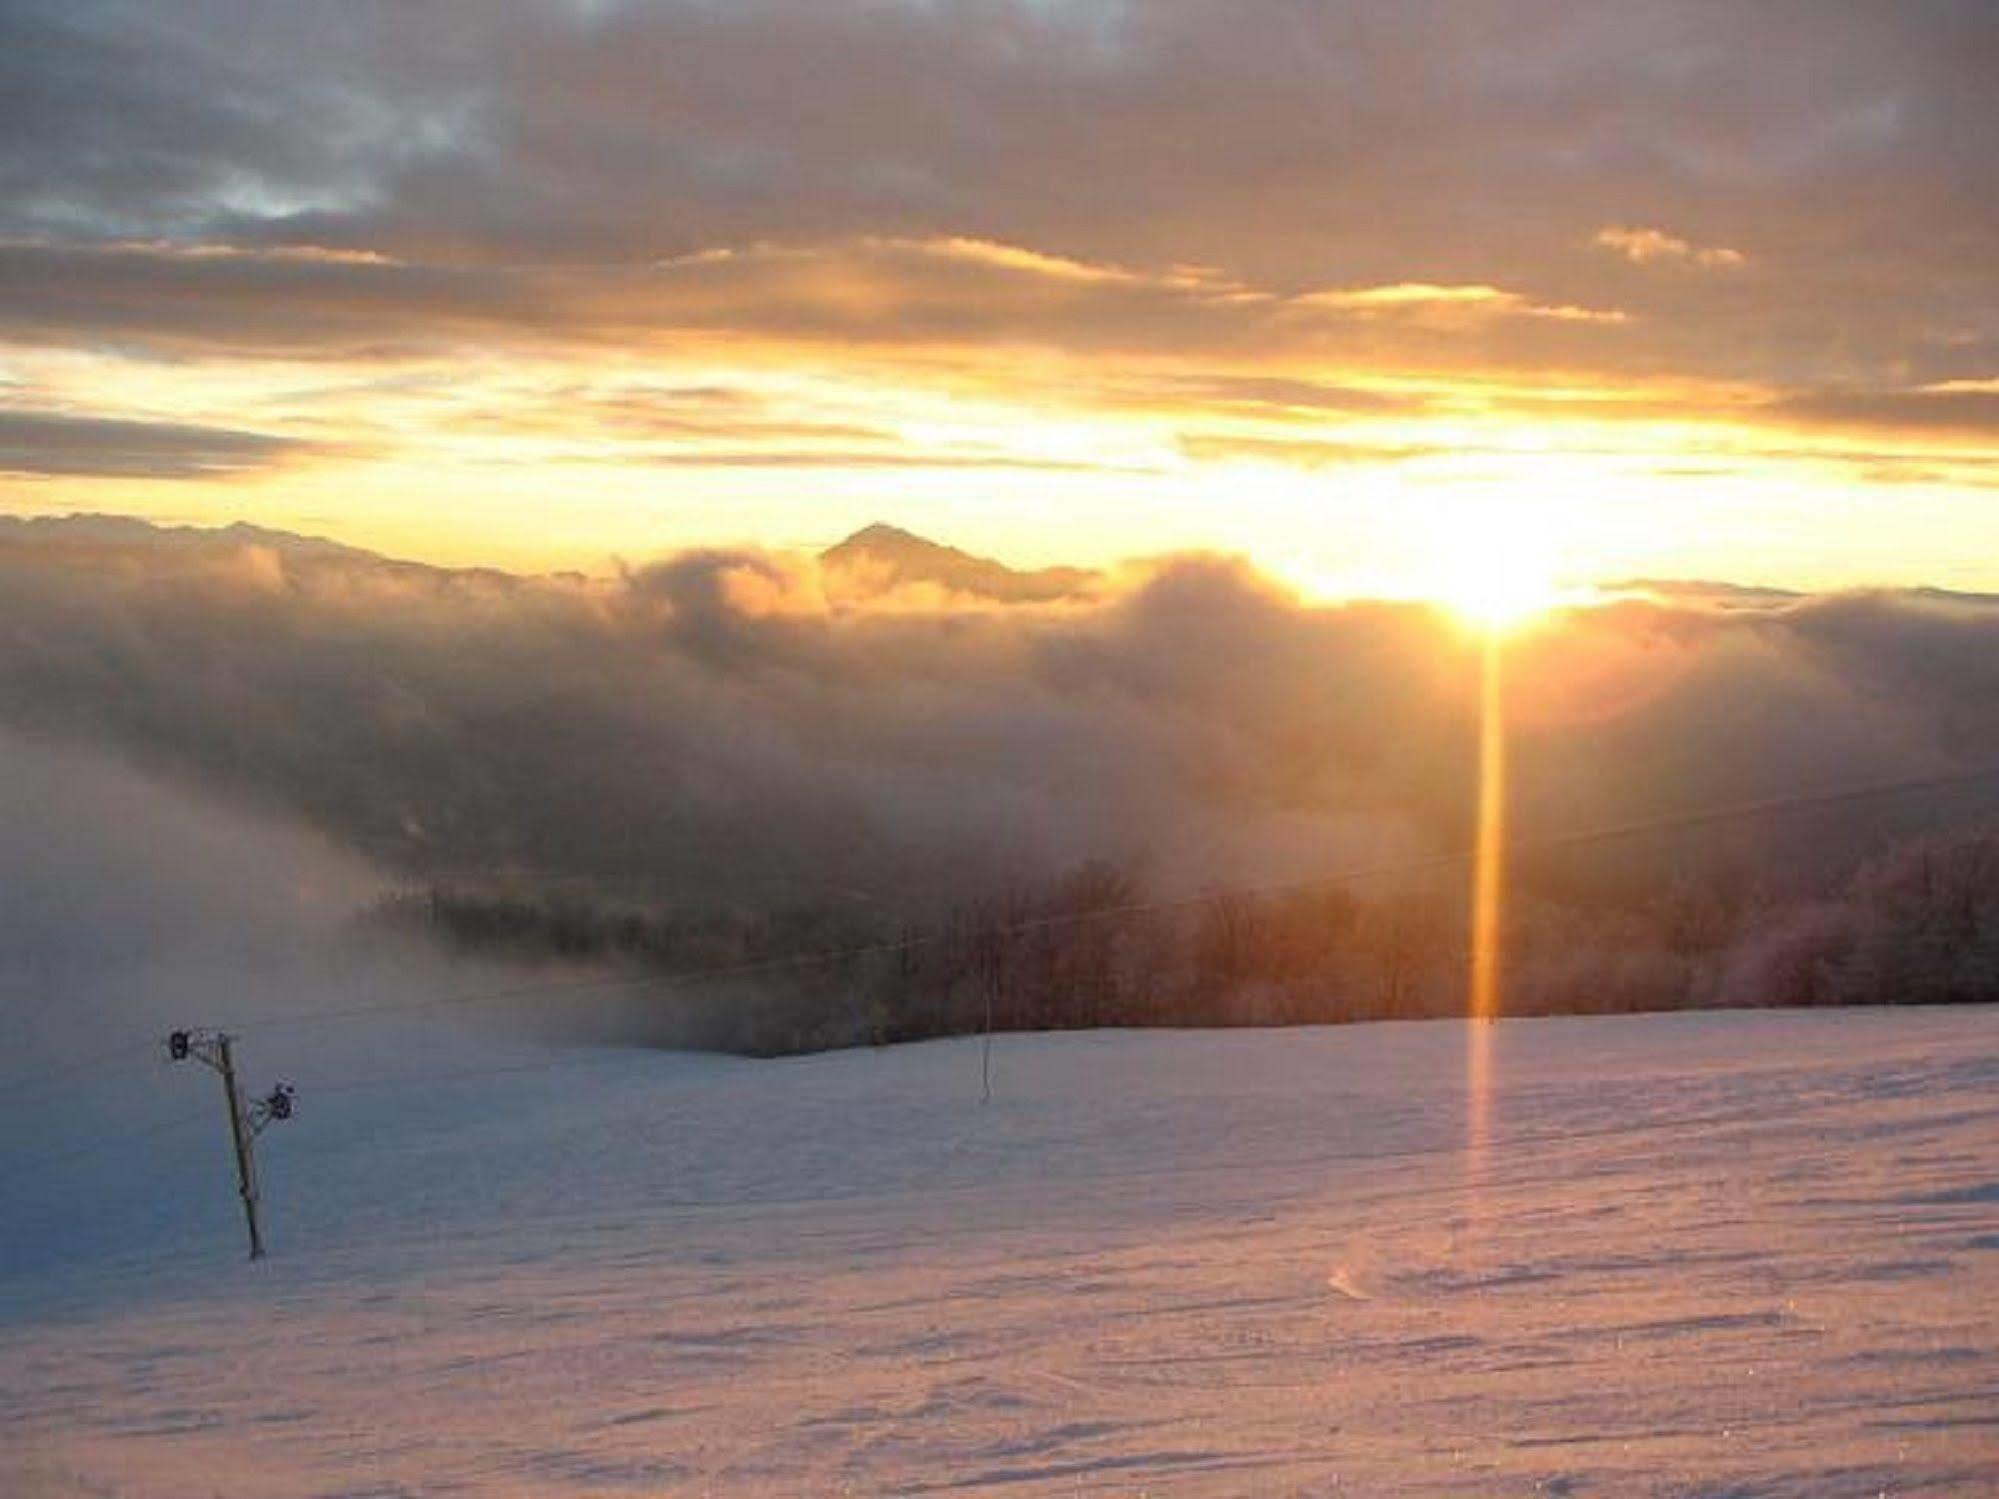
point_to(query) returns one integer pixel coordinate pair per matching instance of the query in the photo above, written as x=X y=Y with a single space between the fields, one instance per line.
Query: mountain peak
x=881 y=533
x=904 y=557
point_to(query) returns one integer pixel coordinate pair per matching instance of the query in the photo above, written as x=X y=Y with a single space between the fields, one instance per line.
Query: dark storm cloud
x=50 y=442
x=731 y=726
x=1843 y=149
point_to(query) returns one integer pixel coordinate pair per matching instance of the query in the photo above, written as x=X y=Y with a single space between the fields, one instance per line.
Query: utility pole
x=993 y=964
x=215 y=1049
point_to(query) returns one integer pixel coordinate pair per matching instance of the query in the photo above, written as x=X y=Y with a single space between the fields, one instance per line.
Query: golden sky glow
x=588 y=283
x=536 y=463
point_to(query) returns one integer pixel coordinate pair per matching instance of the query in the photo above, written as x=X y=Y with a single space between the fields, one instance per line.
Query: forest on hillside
x=1918 y=924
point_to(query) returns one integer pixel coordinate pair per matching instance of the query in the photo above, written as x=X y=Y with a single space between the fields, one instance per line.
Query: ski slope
x=1723 y=1254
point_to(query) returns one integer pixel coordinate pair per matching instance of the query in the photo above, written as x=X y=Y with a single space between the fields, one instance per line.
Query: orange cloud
x=1650 y=246
x=1477 y=300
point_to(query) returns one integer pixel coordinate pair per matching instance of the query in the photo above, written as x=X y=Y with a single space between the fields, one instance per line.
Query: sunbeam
x=1488 y=896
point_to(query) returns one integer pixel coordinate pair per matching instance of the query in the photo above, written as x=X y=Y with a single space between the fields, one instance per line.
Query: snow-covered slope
x=1744 y=1254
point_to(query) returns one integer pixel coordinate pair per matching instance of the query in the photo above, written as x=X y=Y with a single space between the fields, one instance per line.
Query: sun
x=1494 y=571
x=1498 y=597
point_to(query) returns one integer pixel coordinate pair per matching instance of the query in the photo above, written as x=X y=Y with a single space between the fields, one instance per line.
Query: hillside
x=1741 y=1254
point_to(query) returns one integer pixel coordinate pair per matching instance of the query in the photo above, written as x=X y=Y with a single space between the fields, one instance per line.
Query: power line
x=366 y=1084
x=30 y=1083
x=1773 y=806
x=426 y=1079
x=1524 y=1142
x=1671 y=822
x=612 y=985
x=1735 y=811
x=64 y=1157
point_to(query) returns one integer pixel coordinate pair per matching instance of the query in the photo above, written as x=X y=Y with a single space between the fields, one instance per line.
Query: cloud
x=916 y=195
x=54 y=442
x=1647 y=246
x=151 y=875
x=740 y=729
x=470 y=160
x=1307 y=452
x=1276 y=397
x=853 y=297
x=1467 y=301
x=277 y=304
x=216 y=746
x=1967 y=410
x=135 y=905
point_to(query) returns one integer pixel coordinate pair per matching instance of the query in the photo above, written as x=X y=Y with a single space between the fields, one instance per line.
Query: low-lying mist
x=130 y=907
x=730 y=756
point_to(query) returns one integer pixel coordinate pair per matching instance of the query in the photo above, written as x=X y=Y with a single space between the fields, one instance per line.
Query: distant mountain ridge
x=881 y=554
x=884 y=554
x=98 y=529
x=897 y=556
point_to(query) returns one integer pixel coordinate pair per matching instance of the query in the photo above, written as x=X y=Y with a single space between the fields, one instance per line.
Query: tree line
x=1095 y=947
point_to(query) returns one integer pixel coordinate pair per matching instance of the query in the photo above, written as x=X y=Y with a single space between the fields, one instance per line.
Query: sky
x=1376 y=295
